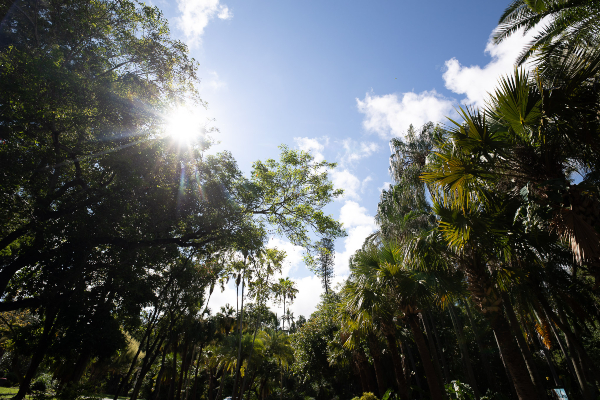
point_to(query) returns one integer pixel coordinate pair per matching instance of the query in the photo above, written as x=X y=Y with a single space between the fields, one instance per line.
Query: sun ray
x=183 y=125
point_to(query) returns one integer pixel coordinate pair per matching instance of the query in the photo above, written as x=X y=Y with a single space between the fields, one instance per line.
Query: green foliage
x=366 y=396
x=459 y=390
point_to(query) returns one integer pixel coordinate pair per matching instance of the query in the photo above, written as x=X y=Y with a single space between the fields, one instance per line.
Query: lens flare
x=183 y=125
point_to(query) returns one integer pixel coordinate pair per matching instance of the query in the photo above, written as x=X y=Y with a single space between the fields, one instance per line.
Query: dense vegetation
x=481 y=282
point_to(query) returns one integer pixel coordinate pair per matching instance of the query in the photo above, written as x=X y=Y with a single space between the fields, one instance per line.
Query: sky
x=338 y=79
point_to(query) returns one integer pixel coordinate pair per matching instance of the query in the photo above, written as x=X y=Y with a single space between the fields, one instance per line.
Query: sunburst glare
x=183 y=124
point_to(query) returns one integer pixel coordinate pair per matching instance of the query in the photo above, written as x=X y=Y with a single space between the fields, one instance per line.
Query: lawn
x=7 y=391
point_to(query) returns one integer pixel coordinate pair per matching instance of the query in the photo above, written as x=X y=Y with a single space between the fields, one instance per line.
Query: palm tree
x=379 y=289
x=573 y=23
x=526 y=145
x=278 y=346
x=285 y=289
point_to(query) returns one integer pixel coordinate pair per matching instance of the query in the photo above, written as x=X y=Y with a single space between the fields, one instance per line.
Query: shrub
x=366 y=396
x=39 y=386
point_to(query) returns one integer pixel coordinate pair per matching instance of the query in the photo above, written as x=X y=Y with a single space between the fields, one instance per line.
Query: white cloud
x=390 y=116
x=385 y=186
x=195 y=16
x=359 y=224
x=344 y=179
x=214 y=82
x=364 y=183
x=309 y=295
x=355 y=151
x=314 y=146
x=294 y=255
x=476 y=82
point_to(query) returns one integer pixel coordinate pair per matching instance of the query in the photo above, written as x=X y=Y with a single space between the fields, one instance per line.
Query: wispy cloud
x=195 y=16
x=355 y=150
x=314 y=146
x=214 y=82
x=390 y=115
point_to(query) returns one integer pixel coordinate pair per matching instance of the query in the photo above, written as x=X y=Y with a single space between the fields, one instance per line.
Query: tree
x=571 y=23
x=325 y=262
x=285 y=289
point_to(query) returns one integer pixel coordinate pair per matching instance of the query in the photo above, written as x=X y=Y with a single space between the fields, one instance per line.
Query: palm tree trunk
x=403 y=388
x=361 y=373
x=171 y=394
x=434 y=353
x=238 y=365
x=195 y=386
x=485 y=295
x=435 y=387
x=573 y=365
x=512 y=357
x=414 y=368
x=161 y=373
x=211 y=382
x=547 y=356
x=184 y=364
x=511 y=384
x=376 y=355
x=441 y=349
x=464 y=352
x=484 y=359
x=527 y=356
x=366 y=368
x=582 y=357
x=220 y=392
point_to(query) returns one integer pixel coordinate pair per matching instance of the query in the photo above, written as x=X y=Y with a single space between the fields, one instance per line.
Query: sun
x=183 y=125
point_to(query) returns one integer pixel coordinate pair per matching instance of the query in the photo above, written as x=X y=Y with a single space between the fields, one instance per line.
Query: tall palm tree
x=570 y=22
x=278 y=346
x=527 y=144
x=285 y=289
x=381 y=287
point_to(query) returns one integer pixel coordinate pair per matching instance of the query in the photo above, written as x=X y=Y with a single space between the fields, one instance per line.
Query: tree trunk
x=484 y=359
x=171 y=394
x=441 y=349
x=511 y=384
x=258 y=320
x=464 y=352
x=184 y=364
x=575 y=346
x=195 y=386
x=146 y=367
x=485 y=295
x=376 y=355
x=512 y=357
x=435 y=387
x=238 y=365
x=414 y=368
x=527 y=356
x=366 y=368
x=363 y=378
x=220 y=392
x=574 y=367
x=40 y=352
x=432 y=349
x=211 y=382
x=160 y=375
x=547 y=356
x=403 y=388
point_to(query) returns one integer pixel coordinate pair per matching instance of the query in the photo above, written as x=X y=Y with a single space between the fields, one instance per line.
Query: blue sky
x=339 y=79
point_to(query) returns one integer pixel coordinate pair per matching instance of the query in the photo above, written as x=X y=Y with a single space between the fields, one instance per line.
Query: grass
x=11 y=391
x=6 y=391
